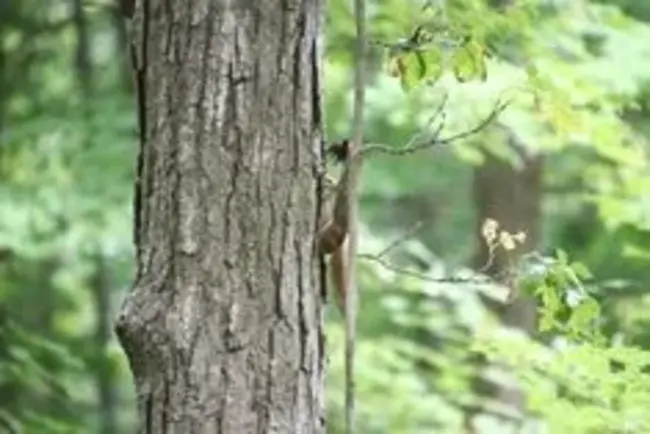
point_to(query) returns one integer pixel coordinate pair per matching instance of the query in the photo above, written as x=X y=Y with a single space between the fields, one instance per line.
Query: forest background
x=566 y=163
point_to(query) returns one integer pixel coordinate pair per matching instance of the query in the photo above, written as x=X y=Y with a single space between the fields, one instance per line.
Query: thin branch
x=496 y=111
x=490 y=260
x=438 y=115
x=396 y=242
x=422 y=276
x=482 y=281
x=476 y=280
x=413 y=145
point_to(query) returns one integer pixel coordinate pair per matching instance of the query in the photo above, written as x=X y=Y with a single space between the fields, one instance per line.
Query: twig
x=490 y=260
x=422 y=276
x=412 y=146
x=397 y=241
x=473 y=280
x=482 y=280
x=496 y=111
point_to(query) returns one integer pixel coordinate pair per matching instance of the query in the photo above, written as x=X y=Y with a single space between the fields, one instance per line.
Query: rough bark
x=223 y=328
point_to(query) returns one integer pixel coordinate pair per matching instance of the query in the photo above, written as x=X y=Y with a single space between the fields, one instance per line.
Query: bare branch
x=415 y=144
x=406 y=235
x=422 y=276
x=490 y=260
x=482 y=281
x=477 y=279
x=496 y=111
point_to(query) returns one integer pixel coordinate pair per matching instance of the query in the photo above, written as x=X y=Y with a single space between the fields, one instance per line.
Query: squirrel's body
x=333 y=236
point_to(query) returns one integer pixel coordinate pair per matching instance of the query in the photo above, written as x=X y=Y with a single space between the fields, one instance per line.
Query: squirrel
x=333 y=235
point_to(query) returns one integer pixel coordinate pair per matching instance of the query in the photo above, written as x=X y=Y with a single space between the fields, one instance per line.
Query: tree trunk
x=223 y=328
x=511 y=196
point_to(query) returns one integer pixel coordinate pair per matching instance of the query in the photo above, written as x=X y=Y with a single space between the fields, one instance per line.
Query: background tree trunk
x=512 y=197
x=223 y=328
x=104 y=376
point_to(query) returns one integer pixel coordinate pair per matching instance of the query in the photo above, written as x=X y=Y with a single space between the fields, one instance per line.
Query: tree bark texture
x=223 y=328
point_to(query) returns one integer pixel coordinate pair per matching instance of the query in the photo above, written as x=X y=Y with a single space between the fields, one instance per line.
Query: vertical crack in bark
x=264 y=234
x=166 y=405
x=315 y=87
x=187 y=49
x=173 y=187
x=279 y=309
x=149 y=414
x=266 y=414
x=273 y=249
x=188 y=362
x=303 y=323
x=230 y=114
x=284 y=25
x=224 y=400
x=320 y=193
x=297 y=62
x=316 y=400
x=139 y=59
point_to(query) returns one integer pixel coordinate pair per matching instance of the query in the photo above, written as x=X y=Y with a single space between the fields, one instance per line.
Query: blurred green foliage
x=577 y=75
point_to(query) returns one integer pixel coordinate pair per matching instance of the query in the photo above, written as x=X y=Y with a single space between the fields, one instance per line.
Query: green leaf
x=581 y=270
x=584 y=315
x=414 y=67
x=546 y=322
x=561 y=257
x=434 y=61
x=468 y=62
